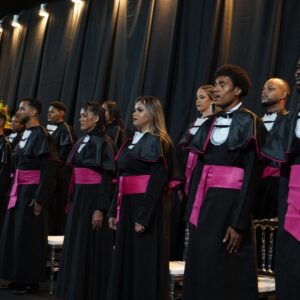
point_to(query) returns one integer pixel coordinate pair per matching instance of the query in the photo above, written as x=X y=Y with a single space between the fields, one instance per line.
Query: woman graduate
x=88 y=241
x=206 y=108
x=146 y=165
x=114 y=124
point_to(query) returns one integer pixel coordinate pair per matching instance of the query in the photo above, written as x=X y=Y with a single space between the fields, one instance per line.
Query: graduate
x=206 y=108
x=285 y=148
x=88 y=244
x=220 y=261
x=17 y=130
x=115 y=128
x=5 y=168
x=23 y=242
x=140 y=212
x=275 y=95
x=64 y=138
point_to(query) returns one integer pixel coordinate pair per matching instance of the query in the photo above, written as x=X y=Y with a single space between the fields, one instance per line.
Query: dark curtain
x=120 y=49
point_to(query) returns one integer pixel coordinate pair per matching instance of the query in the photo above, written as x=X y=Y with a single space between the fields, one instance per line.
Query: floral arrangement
x=4 y=109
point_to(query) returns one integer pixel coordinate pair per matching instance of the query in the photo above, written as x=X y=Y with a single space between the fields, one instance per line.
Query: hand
x=139 y=228
x=234 y=240
x=112 y=223
x=37 y=208
x=97 y=219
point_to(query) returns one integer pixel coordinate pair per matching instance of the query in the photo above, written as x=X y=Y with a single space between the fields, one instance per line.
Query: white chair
x=55 y=243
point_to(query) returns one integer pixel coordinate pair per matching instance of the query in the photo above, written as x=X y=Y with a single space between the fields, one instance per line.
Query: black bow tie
x=226 y=115
x=270 y=113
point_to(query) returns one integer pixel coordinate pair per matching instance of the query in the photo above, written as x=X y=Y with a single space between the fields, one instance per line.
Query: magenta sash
x=215 y=176
x=22 y=177
x=292 y=217
x=131 y=185
x=86 y=176
x=82 y=176
x=270 y=172
x=190 y=166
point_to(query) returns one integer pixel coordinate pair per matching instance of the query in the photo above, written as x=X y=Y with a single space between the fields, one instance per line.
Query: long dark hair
x=114 y=112
x=97 y=110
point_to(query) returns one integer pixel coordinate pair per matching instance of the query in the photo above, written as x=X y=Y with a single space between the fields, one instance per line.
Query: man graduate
x=285 y=148
x=64 y=138
x=275 y=95
x=23 y=243
x=220 y=261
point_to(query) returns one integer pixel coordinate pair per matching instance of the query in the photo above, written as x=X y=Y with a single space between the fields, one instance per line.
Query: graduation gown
x=5 y=169
x=14 y=139
x=86 y=255
x=140 y=268
x=211 y=272
x=64 y=138
x=23 y=243
x=284 y=147
x=268 y=190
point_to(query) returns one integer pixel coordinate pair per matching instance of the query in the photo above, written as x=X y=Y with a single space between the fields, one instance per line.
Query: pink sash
x=22 y=177
x=190 y=166
x=82 y=176
x=270 y=172
x=131 y=185
x=215 y=176
x=292 y=217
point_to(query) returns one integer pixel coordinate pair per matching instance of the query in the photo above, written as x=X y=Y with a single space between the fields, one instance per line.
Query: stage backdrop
x=120 y=49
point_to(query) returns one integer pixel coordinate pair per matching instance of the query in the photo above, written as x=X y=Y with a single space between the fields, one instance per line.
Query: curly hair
x=238 y=76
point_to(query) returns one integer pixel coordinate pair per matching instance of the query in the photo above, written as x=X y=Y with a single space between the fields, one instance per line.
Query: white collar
x=137 y=136
x=234 y=108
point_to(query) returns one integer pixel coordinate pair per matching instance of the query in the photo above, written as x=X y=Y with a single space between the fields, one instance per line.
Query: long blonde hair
x=157 y=124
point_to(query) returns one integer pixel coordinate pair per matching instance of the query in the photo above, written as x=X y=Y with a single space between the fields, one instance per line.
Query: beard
x=269 y=103
x=24 y=120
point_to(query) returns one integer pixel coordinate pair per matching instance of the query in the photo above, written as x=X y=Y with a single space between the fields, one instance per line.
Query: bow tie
x=226 y=115
x=270 y=113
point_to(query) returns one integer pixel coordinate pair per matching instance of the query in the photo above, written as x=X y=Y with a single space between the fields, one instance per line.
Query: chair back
x=265 y=231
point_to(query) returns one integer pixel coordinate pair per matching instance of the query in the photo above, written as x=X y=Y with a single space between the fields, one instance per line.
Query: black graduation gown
x=5 y=169
x=64 y=138
x=23 y=243
x=86 y=255
x=285 y=148
x=268 y=190
x=116 y=133
x=14 y=139
x=211 y=272
x=140 y=267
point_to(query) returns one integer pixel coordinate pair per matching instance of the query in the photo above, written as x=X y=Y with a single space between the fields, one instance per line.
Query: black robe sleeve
x=156 y=185
x=44 y=148
x=107 y=173
x=252 y=171
x=48 y=171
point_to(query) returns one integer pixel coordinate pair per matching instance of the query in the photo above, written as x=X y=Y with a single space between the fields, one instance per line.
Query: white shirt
x=297 y=129
x=197 y=124
x=137 y=136
x=24 y=139
x=51 y=128
x=12 y=136
x=269 y=120
x=83 y=144
x=220 y=134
